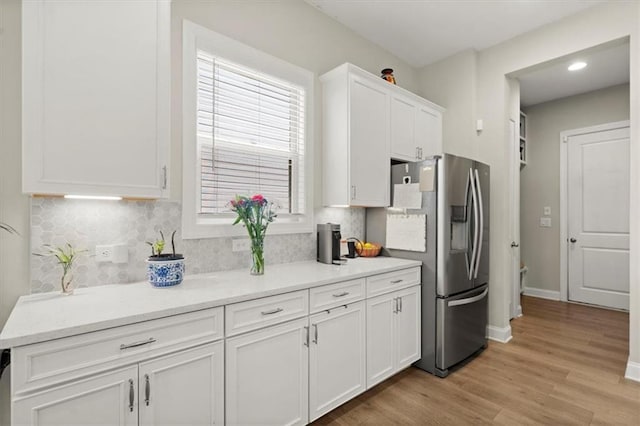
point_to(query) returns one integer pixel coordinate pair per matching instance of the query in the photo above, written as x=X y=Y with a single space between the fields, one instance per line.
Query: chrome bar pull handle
x=315 y=333
x=396 y=281
x=147 y=389
x=395 y=305
x=344 y=293
x=306 y=340
x=271 y=312
x=136 y=344
x=164 y=177
x=131 y=395
x=400 y=303
x=476 y=223
x=481 y=224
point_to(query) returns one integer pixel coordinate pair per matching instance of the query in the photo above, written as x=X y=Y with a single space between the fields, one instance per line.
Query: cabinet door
x=380 y=338
x=428 y=131
x=408 y=322
x=336 y=357
x=95 y=97
x=185 y=388
x=107 y=399
x=403 y=124
x=368 y=144
x=267 y=376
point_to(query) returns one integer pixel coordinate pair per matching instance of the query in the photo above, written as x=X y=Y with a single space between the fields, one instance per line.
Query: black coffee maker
x=329 y=243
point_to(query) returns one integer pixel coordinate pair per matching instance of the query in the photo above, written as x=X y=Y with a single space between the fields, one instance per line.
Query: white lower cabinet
x=178 y=371
x=267 y=376
x=106 y=399
x=336 y=357
x=184 y=388
x=393 y=333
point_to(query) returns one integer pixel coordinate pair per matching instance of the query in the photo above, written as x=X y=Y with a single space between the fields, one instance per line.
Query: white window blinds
x=250 y=133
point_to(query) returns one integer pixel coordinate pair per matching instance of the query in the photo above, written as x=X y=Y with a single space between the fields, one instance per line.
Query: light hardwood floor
x=565 y=365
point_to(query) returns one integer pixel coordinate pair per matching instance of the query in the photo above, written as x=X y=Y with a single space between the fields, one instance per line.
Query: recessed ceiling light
x=577 y=66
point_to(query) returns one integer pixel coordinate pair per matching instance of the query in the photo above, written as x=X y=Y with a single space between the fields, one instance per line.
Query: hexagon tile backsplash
x=87 y=223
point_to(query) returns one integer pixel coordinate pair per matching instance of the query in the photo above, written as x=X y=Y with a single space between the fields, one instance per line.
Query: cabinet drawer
x=332 y=295
x=384 y=283
x=253 y=314
x=47 y=363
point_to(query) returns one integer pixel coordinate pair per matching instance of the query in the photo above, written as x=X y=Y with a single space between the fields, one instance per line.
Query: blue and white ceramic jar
x=162 y=272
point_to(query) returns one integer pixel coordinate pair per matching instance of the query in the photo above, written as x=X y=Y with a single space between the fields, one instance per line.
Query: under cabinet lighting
x=577 y=66
x=93 y=197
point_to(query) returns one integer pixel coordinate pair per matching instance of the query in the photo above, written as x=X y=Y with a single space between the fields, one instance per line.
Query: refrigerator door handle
x=467 y=210
x=474 y=198
x=469 y=300
x=481 y=224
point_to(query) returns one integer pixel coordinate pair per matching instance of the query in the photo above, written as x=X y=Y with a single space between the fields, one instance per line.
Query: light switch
x=545 y=222
x=547 y=211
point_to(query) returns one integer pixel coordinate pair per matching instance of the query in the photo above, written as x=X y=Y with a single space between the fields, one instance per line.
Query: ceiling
x=422 y=32
x=605 y=67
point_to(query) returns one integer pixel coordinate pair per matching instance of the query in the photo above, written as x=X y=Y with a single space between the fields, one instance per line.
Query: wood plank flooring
x=564 y=366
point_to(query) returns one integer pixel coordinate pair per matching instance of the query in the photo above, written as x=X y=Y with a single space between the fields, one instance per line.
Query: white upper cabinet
x=355 y=138
x=366 y=122
x=416 y=128
x=96 y=97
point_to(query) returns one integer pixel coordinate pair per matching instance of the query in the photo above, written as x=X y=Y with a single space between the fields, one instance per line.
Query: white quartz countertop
x=46 y=316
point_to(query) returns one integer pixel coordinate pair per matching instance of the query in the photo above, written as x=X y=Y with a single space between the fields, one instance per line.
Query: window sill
x=221 y=228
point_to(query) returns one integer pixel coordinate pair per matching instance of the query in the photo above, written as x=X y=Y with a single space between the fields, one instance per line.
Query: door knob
x=573 y=240
x=514 y=244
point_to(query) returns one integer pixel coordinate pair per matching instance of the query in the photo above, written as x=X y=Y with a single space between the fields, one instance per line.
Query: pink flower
x=258 y=198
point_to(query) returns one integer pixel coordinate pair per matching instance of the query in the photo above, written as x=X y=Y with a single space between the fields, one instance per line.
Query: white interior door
x=598 y=217
x=514 y=195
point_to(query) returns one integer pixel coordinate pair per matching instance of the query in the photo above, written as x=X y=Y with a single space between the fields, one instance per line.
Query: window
x=246 y=130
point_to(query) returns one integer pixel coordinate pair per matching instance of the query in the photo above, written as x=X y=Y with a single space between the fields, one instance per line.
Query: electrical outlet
x=104 y=253
x=116 y=253
x=545 y=222
x=547 y=211
x=241 y=244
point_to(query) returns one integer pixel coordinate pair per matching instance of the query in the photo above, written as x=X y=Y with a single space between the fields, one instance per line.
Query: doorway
x=594 y=224
x=543 y=250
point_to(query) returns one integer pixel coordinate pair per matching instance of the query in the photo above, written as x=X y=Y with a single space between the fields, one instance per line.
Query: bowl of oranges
x=367 y=249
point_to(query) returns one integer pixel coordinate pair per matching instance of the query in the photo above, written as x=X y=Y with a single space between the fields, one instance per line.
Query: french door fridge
x=440 y=216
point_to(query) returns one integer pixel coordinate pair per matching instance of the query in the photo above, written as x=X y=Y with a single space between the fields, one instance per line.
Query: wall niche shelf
x=523 y=139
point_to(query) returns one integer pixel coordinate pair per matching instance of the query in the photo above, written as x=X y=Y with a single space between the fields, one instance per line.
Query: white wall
x=451 y=83
x=494 y=105
x=592 y=27
x=540 y=178
x=14 y=207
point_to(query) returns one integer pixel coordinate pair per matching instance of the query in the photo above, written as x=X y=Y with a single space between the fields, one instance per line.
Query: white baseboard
x=499 y=334
x=541 y=293
x=633 y=371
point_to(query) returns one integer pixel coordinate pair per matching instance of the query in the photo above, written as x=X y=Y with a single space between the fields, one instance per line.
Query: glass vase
x=257 y=257
x=66 y=282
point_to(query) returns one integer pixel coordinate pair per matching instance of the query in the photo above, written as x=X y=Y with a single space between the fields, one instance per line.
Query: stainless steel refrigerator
x=440 y=216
